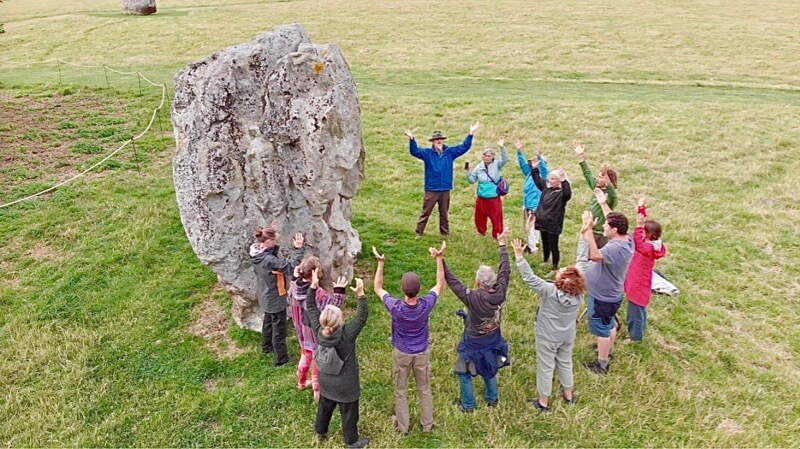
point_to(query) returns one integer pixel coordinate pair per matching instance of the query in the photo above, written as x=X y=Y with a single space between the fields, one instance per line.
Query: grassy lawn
x=695 y=104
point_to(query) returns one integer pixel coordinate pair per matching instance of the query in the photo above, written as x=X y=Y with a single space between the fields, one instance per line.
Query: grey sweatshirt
x=557 y=312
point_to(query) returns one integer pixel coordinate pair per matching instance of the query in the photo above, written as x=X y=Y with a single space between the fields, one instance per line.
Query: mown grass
x=98 y=282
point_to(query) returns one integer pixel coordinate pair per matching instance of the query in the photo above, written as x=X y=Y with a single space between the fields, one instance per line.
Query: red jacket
x=638 y=281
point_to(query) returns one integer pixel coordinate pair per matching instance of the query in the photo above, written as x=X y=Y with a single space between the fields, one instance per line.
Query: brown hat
x=410 y=284
x=437 y=135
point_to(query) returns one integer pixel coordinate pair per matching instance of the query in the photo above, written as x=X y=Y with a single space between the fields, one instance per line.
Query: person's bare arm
x=440 y=280
x=602 y=200
x=377 y=285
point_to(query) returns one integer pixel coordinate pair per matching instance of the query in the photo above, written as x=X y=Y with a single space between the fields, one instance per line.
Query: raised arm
x=588 y=234
x=311 y=306
x=540 y=184
x=378 y=282
x=537 y=284
x=504 y=270
x=461 y=291
x=354 y=326
x=543 y=169
x=412 y=146
x=523 y=163
x=602 y=200
x=566 y=188
x=439 y=256
x=462 y=148
x=582 y=259
x=503 y=157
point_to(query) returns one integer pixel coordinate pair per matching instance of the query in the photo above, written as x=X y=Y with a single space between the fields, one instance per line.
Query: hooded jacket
x=264 y=263
x=439 y=166
x=346 y=386
x=530 y=191
x=483 y=319
x=557 y=311
x=639 y=279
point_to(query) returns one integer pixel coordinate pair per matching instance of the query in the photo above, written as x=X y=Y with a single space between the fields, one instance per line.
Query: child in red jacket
x=638 y=281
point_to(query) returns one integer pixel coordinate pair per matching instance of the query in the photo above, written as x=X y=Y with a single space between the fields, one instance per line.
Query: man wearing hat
x=438 y=175
x=410 y=338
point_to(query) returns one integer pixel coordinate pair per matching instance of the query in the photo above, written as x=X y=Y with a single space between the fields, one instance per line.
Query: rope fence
x=132 y=141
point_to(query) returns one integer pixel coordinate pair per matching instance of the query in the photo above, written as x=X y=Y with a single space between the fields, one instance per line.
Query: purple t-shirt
x=410 y=323
x=604 y=280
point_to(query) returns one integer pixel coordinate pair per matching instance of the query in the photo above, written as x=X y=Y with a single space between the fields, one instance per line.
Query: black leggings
x=550 y=245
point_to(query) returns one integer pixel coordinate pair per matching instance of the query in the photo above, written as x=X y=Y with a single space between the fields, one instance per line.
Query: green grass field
x=695 y=103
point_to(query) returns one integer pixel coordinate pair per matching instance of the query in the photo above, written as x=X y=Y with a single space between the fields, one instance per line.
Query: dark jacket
x=264 y=263
x=439 y=166
x=484 y=306
x=345 y=386
x=552 y=205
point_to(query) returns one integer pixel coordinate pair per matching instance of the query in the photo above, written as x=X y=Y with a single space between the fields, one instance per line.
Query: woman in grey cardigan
x=555 y=327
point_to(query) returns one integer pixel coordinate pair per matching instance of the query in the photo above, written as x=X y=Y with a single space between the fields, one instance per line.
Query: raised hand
x=274 y=225
x=296 y=272
x=381 y=258
x=298 y=240
x=501 y=239
x=409 y=134
x=437 y=253
x=642 y=201
x=538 y=151
x=588 y=221
x=640 y=220
x=601 y=196
x=341 y=281
x=519 y=249
x=474 y=128
x=580 y=151
x=315 y=278
x=518 y=145
x=501 y=142
x=359 y=288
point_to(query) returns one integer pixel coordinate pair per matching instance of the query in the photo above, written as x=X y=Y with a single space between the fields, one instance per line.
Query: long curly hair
x=570 y=281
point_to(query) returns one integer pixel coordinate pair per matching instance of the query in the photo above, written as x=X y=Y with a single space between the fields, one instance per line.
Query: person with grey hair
x=482 y=349
x=489 y=202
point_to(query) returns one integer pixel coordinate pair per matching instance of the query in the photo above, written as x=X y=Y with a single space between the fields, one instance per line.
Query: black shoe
x=322 y=436
x=595 y=367
x=284 y=362
x=266 y=351
x=457 y=403
x=535 y=402
x=493 y=404
x=360 y=443
x=526 y=250
x=569 y=401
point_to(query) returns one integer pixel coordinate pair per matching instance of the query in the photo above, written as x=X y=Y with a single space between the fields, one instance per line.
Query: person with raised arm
x=411 y=340
x=339 y=378
x=531 y=193
x=438 y=162
x=489 y=202
x=605 y=275
x=273 y=273
x=482 y=350
x=556 y=193
x=607 y=182
x=556 y=315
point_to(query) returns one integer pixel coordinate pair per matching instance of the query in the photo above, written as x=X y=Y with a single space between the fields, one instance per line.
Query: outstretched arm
x=523 y=163
x=602 y=200
x=537 y=284
x=439 y=256
x=311 y=306
x=378 y=283
x=354 y=326
x=538 y=179
x=503 y=157
x=461 y=291
x=586 y=231
x=504 y=270
x=415 y=150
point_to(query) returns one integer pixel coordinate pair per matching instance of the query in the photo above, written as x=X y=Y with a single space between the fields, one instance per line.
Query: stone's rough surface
x=265 y=130
x=141 y=7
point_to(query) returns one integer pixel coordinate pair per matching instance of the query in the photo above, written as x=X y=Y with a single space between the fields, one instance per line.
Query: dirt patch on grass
x=211 y=322
x=43 y=252
x=730 y=427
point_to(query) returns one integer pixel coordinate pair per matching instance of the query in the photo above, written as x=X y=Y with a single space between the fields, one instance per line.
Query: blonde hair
x=330 y=319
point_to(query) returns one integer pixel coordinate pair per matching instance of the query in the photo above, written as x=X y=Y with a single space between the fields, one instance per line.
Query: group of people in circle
x=610 y=265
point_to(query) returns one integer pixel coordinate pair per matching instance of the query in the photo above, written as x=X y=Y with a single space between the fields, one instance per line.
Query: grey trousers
x=549 y=357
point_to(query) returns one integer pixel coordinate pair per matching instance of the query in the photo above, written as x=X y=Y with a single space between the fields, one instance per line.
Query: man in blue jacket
x=438 y=175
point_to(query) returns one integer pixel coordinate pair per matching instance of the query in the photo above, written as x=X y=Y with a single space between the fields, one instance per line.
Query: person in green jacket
x=607 y=182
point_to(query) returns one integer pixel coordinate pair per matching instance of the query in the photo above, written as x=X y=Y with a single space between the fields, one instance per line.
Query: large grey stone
x=141 y=7
x=269 y=129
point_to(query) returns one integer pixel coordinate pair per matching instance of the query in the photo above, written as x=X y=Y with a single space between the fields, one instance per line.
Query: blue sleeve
x=543 y=170
x=503 y=158
x=459 y=150
x=523 y=164
x=415 y=150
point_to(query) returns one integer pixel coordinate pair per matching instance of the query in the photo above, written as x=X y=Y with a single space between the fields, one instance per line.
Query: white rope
x=95 y=165
x=83 y=66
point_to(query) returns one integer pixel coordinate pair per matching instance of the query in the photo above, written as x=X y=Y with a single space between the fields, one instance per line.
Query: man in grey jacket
x=273 y=274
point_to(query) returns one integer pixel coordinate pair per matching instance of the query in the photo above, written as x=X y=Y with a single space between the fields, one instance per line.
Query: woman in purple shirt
x=410 y=338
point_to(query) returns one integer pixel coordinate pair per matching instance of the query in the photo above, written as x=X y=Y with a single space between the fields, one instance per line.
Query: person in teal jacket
x=489 y=204
x=531 y=193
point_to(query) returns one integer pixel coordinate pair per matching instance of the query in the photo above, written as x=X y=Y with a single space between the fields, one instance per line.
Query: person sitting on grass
x=556 y=193
x=482 y=349
x=531 y=193
x=605 y=275
x=339 y=379
x=298 y=293
x=607 y=182
x=410 y=338
x=272 y=274
x=639 y=280
x=555 y=327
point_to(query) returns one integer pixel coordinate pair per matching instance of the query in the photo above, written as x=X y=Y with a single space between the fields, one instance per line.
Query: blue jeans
x=637 y=321
x=468 y=394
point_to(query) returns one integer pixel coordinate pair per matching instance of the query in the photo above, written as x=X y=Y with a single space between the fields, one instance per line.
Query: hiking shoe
x=535 y=402
x=493 y=403
x=595 y=367
x=457 y=403
x=360 y=443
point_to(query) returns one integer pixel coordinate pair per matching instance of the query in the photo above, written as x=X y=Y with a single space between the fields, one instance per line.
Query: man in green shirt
x=607 y=182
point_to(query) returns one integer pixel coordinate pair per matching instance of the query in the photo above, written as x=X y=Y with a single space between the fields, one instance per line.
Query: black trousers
x=273 y=336
x=349 y=412
x=550 y=246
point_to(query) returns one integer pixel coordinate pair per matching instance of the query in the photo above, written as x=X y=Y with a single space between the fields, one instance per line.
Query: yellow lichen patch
x=318 y=67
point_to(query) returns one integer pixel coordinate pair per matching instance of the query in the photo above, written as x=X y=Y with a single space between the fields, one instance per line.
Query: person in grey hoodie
x=273 y=274
x=342 y=389
x=555 y=327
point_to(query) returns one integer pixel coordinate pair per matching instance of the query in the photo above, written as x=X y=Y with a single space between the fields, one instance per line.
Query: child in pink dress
x=638 y=281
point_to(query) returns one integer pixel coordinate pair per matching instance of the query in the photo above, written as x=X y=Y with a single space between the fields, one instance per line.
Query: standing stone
x=269 y=129
x=141 y=7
